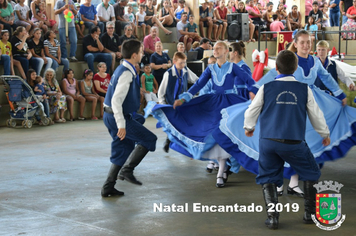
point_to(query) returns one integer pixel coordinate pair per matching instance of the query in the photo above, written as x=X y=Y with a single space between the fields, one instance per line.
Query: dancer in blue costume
x=191 y=124
x=340 y=119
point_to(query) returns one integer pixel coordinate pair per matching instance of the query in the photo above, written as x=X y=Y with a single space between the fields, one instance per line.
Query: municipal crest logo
x=328 y=205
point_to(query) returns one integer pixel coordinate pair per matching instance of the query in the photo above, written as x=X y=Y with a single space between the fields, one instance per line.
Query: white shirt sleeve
x=119 y=96
x=112 y=13
x=341 y=75
x=253 y=111
x=316 y=116
x=163 y=88
x=192 y=77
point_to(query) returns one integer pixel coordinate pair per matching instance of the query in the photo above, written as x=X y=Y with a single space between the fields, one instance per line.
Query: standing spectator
x=151 y=19
x=93 y=49
x=22 y=16
x=344 y=5
x=255 y=15
x=204 y=45
x=71 y=89
x=205 y=20
x=52 y=50
x=111 y=43
x=334 y=12
x=295 y=18
x=7 y=16
x=105 y=13
x=130 y=17
x=267 y=16
x=166 y=15
x=101 y=80
x=36 y=18
x=36 y=46
x=316 y=14
x=128 y=35
x=181 y=8
x=57 y=101
x=88 y=14
x=160 y=62
x=5 y=54
x=221 y=17
x=183 y=36
x=119 y=9
x=59 y=8
x=140 y=20
x=350 y=23
x=150 y=40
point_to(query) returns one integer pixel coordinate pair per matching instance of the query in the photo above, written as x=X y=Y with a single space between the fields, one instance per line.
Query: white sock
x=280 y=189
x=294 y=182
x=210 y=165
x=222 y=166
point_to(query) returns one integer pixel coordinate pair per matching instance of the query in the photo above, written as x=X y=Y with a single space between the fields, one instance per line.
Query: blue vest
x=284 y=114
x=331 y=68
x=172 y=80
x=132 y=101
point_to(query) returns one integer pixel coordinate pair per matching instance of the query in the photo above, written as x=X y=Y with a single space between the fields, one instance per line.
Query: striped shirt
x=53 y=50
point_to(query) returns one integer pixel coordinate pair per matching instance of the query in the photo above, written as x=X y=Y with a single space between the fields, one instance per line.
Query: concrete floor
x=50 y=182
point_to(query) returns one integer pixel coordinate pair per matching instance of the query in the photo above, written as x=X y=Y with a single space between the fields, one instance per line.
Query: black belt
x=286 y=141
x=108 y=110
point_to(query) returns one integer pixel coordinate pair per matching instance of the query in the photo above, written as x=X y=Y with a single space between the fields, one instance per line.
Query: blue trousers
x=72 y=34
x=273 y=155
x=6 y=61
x=136 y=133
x=98 y=57
x=91 y=25
x=64 y=61
x=334 y=18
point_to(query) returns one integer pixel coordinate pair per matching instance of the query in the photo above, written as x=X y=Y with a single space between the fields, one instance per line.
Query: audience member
x=159 y=62
x=192 y=27
x=312 y=27
x=119 y=9
x=36 y=17
x=350 y=24
x=295 y=18
x=20 y=50
x=205 y=20
x=241 y=9
x=255 y=15
x=44 y=18
x=204 y=45
x=59 y=8
x=105 y=13
x=134 y=5
x=276 y=26
x=5 y=54
x=88 y=91
x=344 y=5
x=130 y=17
x=22 y=16
x=150 y=40
x=183 y=36
x=93 y=49
x=180 y=9
x=52 y=50
x=316 y=14
x=71 y=89
x=88 y=14
x=149 y=84
x=267 y=16
x=79 y=24
x=7 y=16
x=334 y=12
x=325 y=21
x=221 y=17
x=57 y=101
x=140 y=20
x=282 y=15
x=128 y=35
x=181 y=47
x=101 y=80
x=166 y=15
x=111 y=43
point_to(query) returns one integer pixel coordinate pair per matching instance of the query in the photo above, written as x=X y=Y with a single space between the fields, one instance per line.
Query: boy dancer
x=122 y=100
x=283 y=105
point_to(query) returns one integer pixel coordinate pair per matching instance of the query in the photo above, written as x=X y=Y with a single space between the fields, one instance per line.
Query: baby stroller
x=24 y=104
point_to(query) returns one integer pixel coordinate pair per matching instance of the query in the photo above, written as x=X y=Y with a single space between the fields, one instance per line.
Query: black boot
x=132 y=161
x=108 y=187
x=270 y=196
x=166 y=145
x=309 y=201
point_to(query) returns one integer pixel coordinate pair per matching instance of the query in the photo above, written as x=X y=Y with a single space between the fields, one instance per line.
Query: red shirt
x=351 y=11
x=222 y=13
x=104 y=82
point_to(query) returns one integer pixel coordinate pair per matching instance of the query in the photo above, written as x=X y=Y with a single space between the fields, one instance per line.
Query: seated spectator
x=140 y=20
x=211 y=13
x=166 y=15
x=57 y=101
x=22 y=16
x=180 y=9
x=150 y=40
x=121 y=22
x=130 y=17
x=111 y=43
x=88 y=91
x=79 y=24
x=183 y=36
x=151 y=19
x=174 y=4
x=6 y=57
x=88 y=14
x=204 y=45
x=205 y=20
x=160 y=62
x=128 y=35
x=325 y=21
x=93 y=49
x=312 y=27
x=101 y=80
x=295 y=18
x=276 y=26
x=70 y=88
x=7 y=16
x=149 y=85
x=192 y=27
x=316 y=14
x=195 y=45
x=105 y=13
x=350 y=24
x=52 y=50
x=36 y=46
x=43 y=15
x=36 y=17
x=267 y=16
x=251 y=26
x=134 y=5
x=72 y=34
x=181 y=47
x=255 y=15
x=282 y=15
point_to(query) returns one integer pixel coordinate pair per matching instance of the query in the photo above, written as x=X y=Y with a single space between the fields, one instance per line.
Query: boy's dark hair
x=191 y=16
x=274 y=16
x=315 y=3
x=143 y=5
x=204 y=40
x=38 y=79
x=179 y=55
x=269 y=4
x=147 y=65
x=93 y=30
x=130 y=47
x=286 y=62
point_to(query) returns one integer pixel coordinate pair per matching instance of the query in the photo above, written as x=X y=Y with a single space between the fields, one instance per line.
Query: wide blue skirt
x=245 y=150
